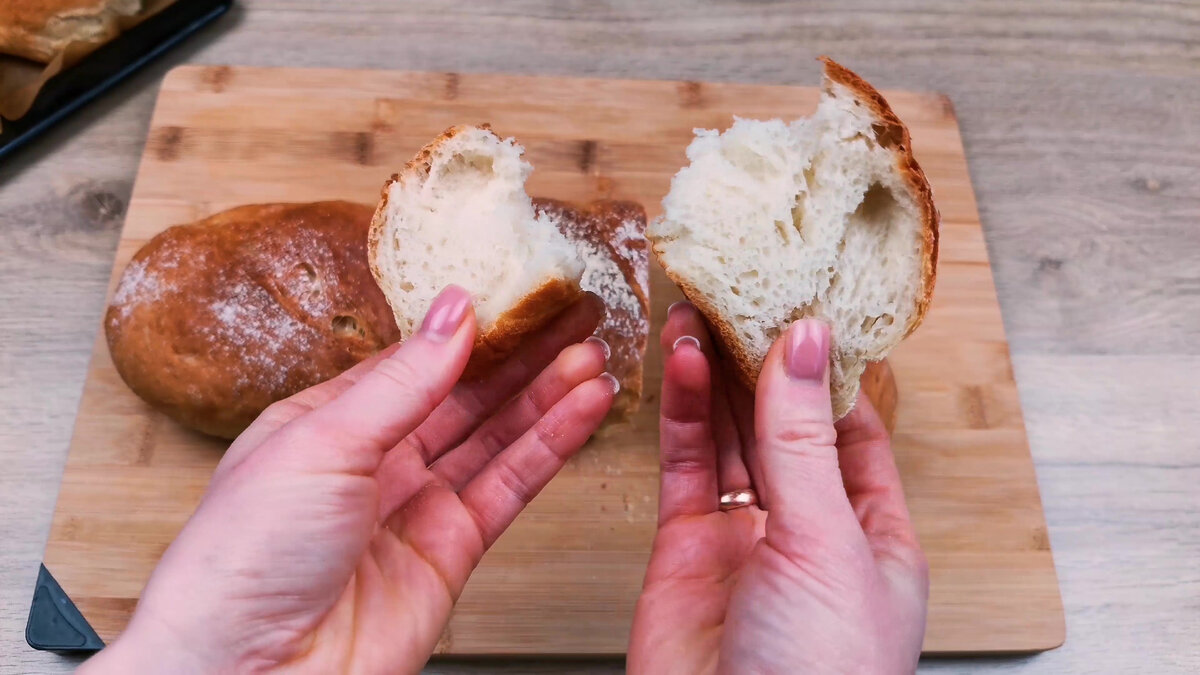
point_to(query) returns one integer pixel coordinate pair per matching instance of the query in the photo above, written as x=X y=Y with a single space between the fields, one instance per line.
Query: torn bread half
x=828 y=216
x=458 y=214
x=611 y=239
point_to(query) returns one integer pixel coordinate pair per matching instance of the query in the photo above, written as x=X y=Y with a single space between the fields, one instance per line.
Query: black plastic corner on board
x=55 y=624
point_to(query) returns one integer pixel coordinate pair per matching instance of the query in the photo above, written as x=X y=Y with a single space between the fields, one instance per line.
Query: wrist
x=147 y=650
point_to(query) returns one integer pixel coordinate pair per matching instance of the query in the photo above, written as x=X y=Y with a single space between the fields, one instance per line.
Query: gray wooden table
x=1082 y=128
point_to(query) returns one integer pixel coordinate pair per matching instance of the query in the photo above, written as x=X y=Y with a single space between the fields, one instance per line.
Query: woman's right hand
x=825 y=574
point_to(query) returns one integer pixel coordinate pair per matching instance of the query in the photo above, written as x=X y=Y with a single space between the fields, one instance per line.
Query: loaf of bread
x=611 y=239
x=458 y=214
x=213 y=321
x=827 y=217
x=39 y=30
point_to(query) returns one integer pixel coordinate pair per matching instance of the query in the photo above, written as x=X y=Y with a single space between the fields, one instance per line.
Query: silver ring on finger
x=736 y=499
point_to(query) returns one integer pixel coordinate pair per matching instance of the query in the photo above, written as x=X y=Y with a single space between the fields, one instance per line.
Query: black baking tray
x=102 y=69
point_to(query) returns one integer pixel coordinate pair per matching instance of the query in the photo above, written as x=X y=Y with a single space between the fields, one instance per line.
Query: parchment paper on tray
x=40 y=38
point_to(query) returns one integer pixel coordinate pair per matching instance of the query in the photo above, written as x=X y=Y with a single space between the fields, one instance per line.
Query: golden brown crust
x=892 y=134
x=213 y=321
x=39 y=30
x=617 y=230
x=748 y=365
x=530 y=313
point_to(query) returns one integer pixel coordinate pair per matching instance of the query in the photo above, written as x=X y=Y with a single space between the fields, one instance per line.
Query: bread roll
x=827 y=217
x=458 y=214
x=39 y=30
x=212 y=322
x=611 y=239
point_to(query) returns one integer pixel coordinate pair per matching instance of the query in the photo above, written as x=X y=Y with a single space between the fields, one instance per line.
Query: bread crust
x=894 y=136
x=529 y=313
x=39 y=30
x=213 y=321
x=602 y=223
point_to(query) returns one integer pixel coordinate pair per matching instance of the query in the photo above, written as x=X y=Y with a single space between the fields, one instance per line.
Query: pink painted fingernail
x=685 y=340
x=677 y=305
x=613 y=382
x=806 y=356
x=603 y=345
x=446 y=313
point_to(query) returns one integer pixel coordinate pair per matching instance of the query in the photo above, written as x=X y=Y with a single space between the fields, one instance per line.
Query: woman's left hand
x=340 y=528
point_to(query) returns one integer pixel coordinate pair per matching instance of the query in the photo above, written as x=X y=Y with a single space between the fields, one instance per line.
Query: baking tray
x=108 y=65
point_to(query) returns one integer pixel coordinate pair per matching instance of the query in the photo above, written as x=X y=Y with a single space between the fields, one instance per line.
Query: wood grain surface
x=1080 y=125
x=223 y=136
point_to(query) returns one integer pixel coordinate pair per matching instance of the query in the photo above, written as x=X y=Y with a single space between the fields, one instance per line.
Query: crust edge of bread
x=912 y=173
x=532 y=311
x=914 y=178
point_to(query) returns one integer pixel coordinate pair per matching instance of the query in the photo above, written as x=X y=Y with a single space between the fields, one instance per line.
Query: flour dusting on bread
x=137 y=285
x=610 y=236
x=213 y=321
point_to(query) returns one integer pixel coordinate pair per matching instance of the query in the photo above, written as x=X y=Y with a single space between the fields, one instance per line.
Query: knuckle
x=919 y=564
x=549 y=432
x=399 y=369
x=685 y=464
x=810 y=432
x=685 y=446
x=304 y=434
x=415 y=443
x=538 y=399
x=282 y=412
x=472 y=400
x=514 y=484
x=408 y=378
x=684 y=432
x=491 y=440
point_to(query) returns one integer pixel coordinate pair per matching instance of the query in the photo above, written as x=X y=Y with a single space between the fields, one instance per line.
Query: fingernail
x=677 y=305
x=685 y=339
x=603 y=345
x=446 y=313
x=613 y=382
x=807 y=353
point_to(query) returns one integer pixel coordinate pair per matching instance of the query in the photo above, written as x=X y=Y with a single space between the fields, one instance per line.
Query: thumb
x=797 y=444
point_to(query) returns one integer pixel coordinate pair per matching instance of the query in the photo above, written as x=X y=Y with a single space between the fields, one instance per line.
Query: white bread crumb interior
x=773 y=222
x=468 y=222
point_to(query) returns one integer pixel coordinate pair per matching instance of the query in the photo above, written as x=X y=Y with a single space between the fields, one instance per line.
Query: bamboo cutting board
x=564 y=579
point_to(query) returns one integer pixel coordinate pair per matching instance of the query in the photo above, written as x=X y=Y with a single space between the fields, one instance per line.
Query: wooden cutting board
x=564 y=579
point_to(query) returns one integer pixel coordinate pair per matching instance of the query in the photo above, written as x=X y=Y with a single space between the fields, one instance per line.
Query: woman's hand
x=340 y=528
x=825 y=574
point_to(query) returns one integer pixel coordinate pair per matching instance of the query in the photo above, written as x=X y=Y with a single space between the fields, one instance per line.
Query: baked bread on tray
x=39 y=30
